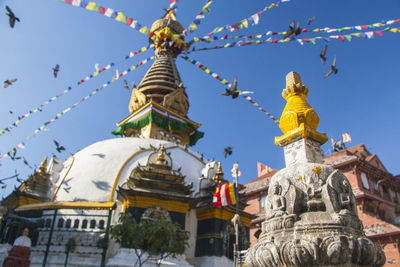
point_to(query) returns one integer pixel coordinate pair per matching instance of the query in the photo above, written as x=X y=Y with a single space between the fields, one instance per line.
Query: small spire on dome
x=219 y=175
x=43 y=166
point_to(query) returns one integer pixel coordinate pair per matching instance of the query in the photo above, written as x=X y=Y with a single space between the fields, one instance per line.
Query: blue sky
x=362 y=99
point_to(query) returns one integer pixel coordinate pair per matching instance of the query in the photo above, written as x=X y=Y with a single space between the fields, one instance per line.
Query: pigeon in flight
x=323 y=53
x=227 y=151
x=232 y=91
x=26 y=162
x=333 y=69
x=9 y=82
x=11 y=112
x=310 y=20
x=56 y=69
x=293 y=30
x=11 y=16
x=58 y=147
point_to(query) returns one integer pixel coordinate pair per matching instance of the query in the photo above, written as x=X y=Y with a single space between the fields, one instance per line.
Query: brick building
x=377 y=194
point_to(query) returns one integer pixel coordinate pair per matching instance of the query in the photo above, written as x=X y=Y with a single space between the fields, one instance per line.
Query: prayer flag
x=224 y=195
x=263 y=169
x=346 y=138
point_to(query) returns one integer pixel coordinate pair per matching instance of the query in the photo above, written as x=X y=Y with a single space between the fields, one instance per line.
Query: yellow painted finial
x=298 y=118
x=43 y=166
x=219 y=175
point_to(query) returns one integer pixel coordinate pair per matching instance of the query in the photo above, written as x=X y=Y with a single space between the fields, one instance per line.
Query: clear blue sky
x=361 y=99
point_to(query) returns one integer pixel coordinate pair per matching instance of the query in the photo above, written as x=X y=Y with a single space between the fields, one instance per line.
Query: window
x=374 y=185
x=262 y=201
x=364 y=180
x=48 y=223
x=394 y=196
x=92 y=224
x=60 y=223
x=385 y=192
x=84 y=224
x=76 y=223
x=101 y=224
x=381 y=214
x=68 y=223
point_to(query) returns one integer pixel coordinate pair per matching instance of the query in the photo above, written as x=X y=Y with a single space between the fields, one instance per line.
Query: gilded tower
x=158 y=106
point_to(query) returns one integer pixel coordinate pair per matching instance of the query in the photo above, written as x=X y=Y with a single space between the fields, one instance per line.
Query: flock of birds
x=13 y=153
x=293 y=31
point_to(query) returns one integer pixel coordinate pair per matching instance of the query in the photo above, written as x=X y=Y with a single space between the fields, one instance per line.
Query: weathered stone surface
x=311 y=220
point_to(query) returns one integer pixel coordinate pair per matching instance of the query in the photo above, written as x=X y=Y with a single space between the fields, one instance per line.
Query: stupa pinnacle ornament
x=299 y=119
x=311 y=212
x=159 y=104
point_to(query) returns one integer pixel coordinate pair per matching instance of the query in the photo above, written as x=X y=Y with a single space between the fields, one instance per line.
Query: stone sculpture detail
x=311 y=213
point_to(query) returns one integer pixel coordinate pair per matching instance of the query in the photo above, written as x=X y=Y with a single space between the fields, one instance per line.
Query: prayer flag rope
x=196 y=22
x=348 y=37
x=252 y=20
x=41 y=106
x=223 y=81
x=108 y=12
x=41 y=128
x=269 y=33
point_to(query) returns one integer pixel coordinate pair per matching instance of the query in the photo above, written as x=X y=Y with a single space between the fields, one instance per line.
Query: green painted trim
x=46 y=253
x=162 y=122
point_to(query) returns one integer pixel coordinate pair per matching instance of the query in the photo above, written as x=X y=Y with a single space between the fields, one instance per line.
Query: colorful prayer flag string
x=252 y=20
x=108 y=12
x=41 y=106
x=41 y=128
x=196 y=22
x=223 y=81
x=348 y=37
x=269 y=33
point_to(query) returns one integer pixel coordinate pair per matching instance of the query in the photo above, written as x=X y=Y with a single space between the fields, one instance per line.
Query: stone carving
x=313 y=203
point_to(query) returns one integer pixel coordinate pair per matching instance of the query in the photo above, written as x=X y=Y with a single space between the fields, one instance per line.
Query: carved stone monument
x=311 y=215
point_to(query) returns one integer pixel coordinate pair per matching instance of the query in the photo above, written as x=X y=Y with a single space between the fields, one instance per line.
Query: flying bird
x=232 y=91
x=56 y=69
x=323 y=53
x=66 y=189
x=9 y=82
x=96 y=67
x=58 y=147
x=11 y=17
x=126 y=86
x=227 y=151
x=333 y=69
x=26 y=162
x=293 y=30
x=310 y=20
x=11 y=112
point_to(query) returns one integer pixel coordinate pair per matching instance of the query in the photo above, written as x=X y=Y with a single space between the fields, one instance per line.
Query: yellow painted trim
x=160 y=107
x=223 y=214
x=67 y=205
x=58 y=188
x=120 y=170
x=22 y=200
x=145 y=202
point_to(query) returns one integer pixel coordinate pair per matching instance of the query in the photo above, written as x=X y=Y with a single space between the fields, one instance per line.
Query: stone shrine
x=311 y=215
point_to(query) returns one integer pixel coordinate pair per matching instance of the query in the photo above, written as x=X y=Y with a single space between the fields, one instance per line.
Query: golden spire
x=219 y=175
x=43 y=166
x=299 y=119
x=161 y=158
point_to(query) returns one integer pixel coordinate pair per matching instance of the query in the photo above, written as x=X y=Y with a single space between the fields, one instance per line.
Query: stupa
x=149 y=169
x=311 y=215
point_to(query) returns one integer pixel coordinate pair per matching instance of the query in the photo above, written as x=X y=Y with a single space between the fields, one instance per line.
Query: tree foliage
x=156 y=236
